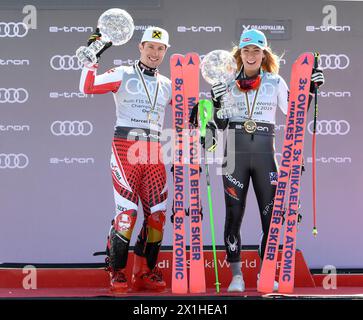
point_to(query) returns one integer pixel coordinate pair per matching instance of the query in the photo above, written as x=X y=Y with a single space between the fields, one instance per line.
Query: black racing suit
x=253 y=159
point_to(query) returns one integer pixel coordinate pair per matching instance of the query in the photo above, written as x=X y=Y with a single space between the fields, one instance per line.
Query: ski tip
x=178 y=63
x=191 y=60
x=176 y=60
x=306 y=60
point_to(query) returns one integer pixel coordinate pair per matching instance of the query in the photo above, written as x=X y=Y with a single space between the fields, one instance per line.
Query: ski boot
x=118 y=280
x=145 y=279
x=237 y=284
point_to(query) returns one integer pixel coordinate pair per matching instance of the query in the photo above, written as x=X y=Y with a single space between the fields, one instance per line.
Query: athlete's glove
x=96 y=36
x=317 y=79
x=218 y=90
x=209 y=142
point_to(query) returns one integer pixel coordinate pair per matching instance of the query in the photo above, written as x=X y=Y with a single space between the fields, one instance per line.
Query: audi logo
x=66 y=62
x=13 y=29
x=267 y=89
x=71 y=128
x=13 y=95
x=13 y=161
x=334 y=61
x=330 y=127
x=135 y=87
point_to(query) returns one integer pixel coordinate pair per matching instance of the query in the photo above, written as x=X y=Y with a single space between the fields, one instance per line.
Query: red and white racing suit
x=137 y=167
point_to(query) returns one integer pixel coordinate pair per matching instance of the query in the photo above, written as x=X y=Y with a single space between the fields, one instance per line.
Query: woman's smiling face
x=252 y=59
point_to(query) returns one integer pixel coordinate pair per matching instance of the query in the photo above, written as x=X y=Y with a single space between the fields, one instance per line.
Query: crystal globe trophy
x=220 y=66
x=116 y=25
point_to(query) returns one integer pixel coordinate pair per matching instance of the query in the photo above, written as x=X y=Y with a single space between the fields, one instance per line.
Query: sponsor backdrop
x=56 y=200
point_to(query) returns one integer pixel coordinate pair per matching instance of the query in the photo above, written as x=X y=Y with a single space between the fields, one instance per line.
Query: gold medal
x=250 y=126
x=151 y=120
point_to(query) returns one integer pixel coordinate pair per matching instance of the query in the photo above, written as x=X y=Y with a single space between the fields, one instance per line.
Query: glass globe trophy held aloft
x=116 y=25
x=219 y=66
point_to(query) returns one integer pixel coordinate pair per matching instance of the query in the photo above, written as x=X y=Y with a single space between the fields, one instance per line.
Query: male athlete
x=141 y=96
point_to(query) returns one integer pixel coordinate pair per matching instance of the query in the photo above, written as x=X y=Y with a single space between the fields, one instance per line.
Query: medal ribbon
x=141 y=76
x=253 y=104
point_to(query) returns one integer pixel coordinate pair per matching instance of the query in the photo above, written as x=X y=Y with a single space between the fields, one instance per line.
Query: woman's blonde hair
x=270 y=63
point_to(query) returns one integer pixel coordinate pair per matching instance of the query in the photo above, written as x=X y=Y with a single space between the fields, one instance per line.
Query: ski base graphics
x=185 y=92
x=179 y=274
x=288 y=184
x=197 y=282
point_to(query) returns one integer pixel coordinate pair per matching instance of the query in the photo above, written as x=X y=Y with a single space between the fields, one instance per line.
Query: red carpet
x=343 y=292
x=90 y=281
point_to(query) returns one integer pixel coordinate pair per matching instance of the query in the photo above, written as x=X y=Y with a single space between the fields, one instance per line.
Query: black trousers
x=250 y=158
